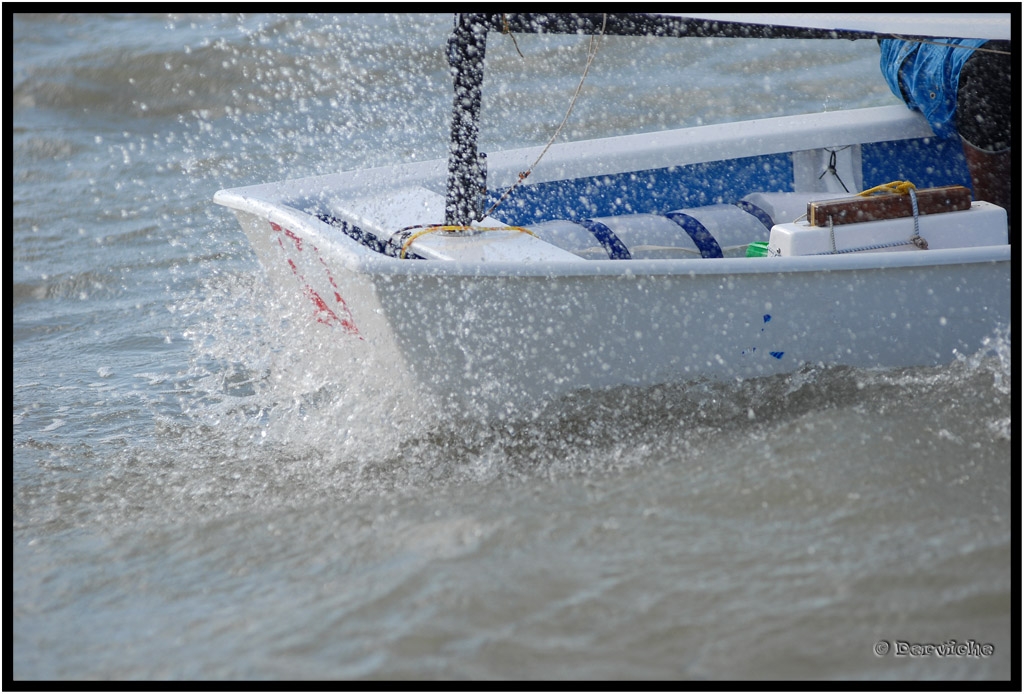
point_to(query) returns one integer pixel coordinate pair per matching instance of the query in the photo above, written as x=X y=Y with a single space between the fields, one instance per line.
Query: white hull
x=499 y=337
x=500 y=321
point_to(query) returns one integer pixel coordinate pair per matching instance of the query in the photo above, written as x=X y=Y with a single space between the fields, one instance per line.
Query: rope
x=448 y=228
x=916 y=238
x=898 y=187
x=913 y=205
x=591 y=53
x=832 y=166
x=874 y=247
x=505 y=30
x=951 y=45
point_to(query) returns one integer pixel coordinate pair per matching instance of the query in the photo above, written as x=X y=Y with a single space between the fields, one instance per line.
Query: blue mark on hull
x=778 y=355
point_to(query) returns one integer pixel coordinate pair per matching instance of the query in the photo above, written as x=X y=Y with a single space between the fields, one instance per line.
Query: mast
x=467 y=179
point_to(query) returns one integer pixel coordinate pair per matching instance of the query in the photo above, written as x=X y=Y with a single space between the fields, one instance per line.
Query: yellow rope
x=450 y=228
x=898 y=187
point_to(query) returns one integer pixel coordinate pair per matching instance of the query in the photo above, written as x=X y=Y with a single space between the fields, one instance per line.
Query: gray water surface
x=195 y=497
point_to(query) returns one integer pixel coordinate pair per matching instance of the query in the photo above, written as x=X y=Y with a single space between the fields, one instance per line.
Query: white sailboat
x=607 y=265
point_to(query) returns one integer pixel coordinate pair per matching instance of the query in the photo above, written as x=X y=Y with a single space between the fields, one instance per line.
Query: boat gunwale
x=719 y=267
x=631 y=152
x=362 y=260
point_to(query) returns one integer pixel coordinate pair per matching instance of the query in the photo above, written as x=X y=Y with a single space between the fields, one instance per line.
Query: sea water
x=194 y=496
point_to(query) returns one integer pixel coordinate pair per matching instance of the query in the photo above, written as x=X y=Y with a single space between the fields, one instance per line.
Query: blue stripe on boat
x=607 y=238
x=703 y=239
x=921 y=161
x=761 y=215
x=924 y=162
x=654 y=191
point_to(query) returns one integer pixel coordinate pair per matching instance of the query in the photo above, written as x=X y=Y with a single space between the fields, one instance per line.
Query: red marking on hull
x=346 y=322
x=323 y=313
x=298 y=242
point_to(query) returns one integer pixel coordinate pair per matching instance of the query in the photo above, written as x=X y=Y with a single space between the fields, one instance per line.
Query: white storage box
x=984 y=224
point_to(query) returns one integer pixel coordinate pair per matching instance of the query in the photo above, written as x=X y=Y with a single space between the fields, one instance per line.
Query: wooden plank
x=888 y=206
